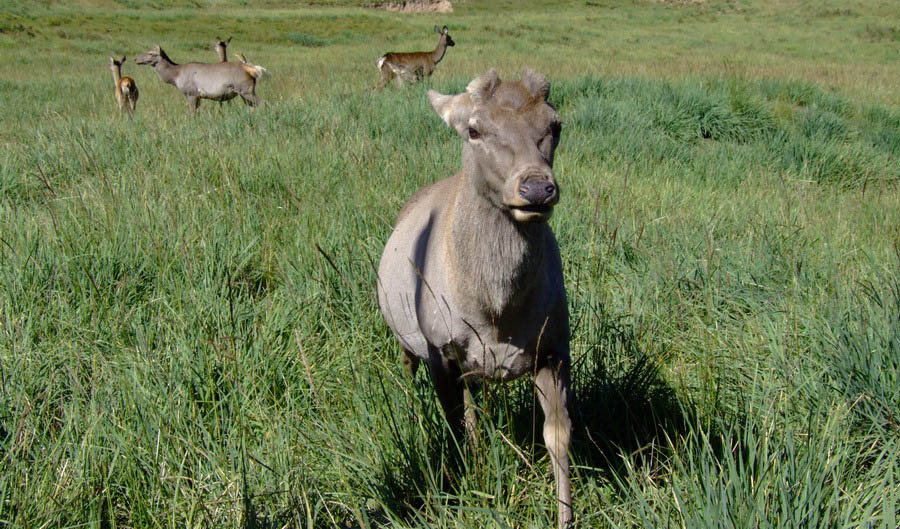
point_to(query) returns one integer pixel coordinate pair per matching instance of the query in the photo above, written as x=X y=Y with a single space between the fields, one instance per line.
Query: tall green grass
x=188 y=329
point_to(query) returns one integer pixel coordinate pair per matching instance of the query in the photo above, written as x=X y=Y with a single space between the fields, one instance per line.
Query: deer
x=220 y=48
x=470 y=281
x=413 y=66
x=220 y=81
x=126 y=89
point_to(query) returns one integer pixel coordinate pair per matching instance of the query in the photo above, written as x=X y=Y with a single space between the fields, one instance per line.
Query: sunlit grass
x=188 y=329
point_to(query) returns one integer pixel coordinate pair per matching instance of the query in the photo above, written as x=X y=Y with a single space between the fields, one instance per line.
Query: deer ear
x=123 y=59
x=482 y=87
x=444 y=30
x=536 y=83
x=453 y=109
x=229 y=40
x=437 y=29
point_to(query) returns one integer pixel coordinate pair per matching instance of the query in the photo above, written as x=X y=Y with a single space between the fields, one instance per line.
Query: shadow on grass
x=622 y=406
x=622 y=409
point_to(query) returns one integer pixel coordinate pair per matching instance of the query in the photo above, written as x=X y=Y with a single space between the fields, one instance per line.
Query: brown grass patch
x=416 y=6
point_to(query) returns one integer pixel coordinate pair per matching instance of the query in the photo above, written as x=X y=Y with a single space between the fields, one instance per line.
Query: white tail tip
x=256 y=71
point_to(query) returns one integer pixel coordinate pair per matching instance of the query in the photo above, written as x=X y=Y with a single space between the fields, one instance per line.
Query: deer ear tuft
x=453 y=109
x=442 y=104
x=482 y=87
x=536 y=83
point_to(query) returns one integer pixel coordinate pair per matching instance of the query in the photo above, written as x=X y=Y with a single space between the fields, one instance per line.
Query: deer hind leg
x=248 y=94
x=447 y=384
x=386 y=75
x=552 y=386
x=193 y=103
x=410 y=363
x=251 y=100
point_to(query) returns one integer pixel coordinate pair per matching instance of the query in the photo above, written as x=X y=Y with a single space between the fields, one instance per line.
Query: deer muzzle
x=535 y=196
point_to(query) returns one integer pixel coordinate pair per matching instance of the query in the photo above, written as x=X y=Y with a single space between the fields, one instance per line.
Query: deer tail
x=255 y=71
x=127 y=87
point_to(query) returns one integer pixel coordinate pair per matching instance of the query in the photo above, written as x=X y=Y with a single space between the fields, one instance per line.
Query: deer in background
x=219 y=81
x=220 y=49
x=126 y=89
x=470 y=281
x=413 y=66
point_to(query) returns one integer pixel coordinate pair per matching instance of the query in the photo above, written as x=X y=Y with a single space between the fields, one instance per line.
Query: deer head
x=444 y=33
x=510 y=134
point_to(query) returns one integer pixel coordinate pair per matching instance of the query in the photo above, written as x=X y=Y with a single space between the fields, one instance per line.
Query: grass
x=188 y=329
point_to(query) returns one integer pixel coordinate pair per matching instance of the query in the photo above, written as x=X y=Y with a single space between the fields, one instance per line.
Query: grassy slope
x=188 y=332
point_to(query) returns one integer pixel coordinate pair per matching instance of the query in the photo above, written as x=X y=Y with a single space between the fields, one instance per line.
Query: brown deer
x=413 y=66
x=126 y=89
x=220 y=47
x=470 y=281
x=218 y=81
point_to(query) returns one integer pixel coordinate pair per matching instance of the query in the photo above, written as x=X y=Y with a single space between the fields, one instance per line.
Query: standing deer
x=219 y=81
x=126 y=89
x=470 y=281
x=413 y=66
x=220 y=48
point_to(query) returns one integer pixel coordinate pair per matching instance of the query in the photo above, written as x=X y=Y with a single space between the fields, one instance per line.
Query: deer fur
x=470 y=281
x=219 y=81
x=221 y=48
x=126 y=89
x=413 y=66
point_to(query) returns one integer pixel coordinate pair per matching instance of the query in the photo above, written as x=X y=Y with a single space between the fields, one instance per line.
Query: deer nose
x=537 y=191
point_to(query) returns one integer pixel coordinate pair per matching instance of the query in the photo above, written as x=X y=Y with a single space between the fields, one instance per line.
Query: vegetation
x=189 y=335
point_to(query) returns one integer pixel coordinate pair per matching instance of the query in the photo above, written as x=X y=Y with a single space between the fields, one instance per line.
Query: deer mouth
x=535 y=208
x=532 y=212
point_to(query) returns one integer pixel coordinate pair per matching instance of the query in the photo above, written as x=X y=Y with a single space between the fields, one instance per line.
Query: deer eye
x=474 y=134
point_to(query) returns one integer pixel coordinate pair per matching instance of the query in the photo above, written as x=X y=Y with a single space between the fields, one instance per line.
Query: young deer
x=470 y=281
x=126 y=89
x=413 y=66
x=220 y=49
x=218 y=81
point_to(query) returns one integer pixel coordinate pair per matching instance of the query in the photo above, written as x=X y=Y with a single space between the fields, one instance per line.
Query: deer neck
x=439 y=52
x=117 y=75
x=494 y=260
x=166 y=70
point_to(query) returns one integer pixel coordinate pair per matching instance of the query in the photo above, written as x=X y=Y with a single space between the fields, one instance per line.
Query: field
x=189 y=334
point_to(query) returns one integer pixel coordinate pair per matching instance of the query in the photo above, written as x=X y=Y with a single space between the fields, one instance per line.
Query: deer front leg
x=469 y=413
x=552 y=385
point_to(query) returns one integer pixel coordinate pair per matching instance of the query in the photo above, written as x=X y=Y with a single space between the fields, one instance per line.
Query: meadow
x=189 y=334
